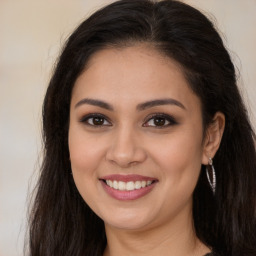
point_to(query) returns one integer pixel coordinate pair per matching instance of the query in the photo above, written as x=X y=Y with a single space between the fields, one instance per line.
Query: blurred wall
x=31 y=33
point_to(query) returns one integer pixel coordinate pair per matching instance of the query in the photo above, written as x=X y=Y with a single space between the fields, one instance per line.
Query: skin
x=128 y=141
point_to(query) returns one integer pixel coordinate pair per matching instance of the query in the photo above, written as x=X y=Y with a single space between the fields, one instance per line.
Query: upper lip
x=128 y=177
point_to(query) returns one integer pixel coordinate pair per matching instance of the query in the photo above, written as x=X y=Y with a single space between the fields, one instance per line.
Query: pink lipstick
x=127 y=187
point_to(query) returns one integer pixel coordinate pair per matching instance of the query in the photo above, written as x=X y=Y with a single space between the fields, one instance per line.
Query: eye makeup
x=95 y=119
x=159 y=120
x=155 y=120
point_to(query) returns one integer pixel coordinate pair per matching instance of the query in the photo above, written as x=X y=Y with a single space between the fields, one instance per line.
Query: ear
x=213 y=137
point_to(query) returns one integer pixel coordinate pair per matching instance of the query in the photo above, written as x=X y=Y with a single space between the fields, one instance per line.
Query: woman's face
x=135 y=138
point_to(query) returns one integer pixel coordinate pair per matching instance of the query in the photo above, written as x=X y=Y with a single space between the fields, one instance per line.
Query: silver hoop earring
x=211 y=176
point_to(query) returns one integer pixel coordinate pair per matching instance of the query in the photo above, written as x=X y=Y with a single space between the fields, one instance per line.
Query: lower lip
x=127 y=195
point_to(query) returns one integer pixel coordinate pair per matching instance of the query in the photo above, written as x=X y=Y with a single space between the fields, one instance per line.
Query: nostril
x=126 y=158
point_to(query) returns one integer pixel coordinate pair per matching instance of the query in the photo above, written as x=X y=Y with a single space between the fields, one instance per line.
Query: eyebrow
x=140 y=107
x=94 y=102
x=159 y=102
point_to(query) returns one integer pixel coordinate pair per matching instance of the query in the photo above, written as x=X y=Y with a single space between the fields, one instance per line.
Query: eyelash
x=85 y=119
x=167 y=118
x=171 y=121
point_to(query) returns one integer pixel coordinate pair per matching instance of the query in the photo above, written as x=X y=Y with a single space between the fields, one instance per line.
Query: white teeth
x=115 y=184
x=138 y=184
x=128 y=186
x=121 y=185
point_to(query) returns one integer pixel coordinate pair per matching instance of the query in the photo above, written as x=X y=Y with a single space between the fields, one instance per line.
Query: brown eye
x=160 y=121
x=95 y=120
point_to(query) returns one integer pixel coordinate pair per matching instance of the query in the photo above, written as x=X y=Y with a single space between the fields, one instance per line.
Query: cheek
x=85 y=157
x=85 y=151
x=180 y=156
x=180 y=161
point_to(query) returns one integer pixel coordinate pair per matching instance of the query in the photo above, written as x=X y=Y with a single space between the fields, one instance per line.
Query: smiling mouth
x=128 y=186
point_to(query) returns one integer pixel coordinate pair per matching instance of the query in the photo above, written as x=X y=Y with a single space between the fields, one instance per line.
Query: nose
x=126 y=149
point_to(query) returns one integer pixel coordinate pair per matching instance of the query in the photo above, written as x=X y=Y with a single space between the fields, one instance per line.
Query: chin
x=128 y=220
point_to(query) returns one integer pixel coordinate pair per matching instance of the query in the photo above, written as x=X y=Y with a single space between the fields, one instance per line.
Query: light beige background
x=31 y=33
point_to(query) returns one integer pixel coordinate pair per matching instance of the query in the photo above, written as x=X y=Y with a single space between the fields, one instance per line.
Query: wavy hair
x=61 y=223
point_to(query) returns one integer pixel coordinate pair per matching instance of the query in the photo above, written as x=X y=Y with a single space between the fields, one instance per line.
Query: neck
x=176 y=237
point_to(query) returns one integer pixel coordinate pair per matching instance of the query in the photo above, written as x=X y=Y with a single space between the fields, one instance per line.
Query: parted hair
x=61 y=223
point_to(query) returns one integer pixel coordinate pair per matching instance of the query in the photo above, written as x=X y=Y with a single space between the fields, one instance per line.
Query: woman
x=148 y=147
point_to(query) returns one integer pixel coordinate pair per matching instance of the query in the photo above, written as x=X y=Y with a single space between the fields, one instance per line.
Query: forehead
x=137 y=72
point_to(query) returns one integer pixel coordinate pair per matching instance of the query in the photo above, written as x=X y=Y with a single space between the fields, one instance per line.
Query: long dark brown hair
x=61 y=223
